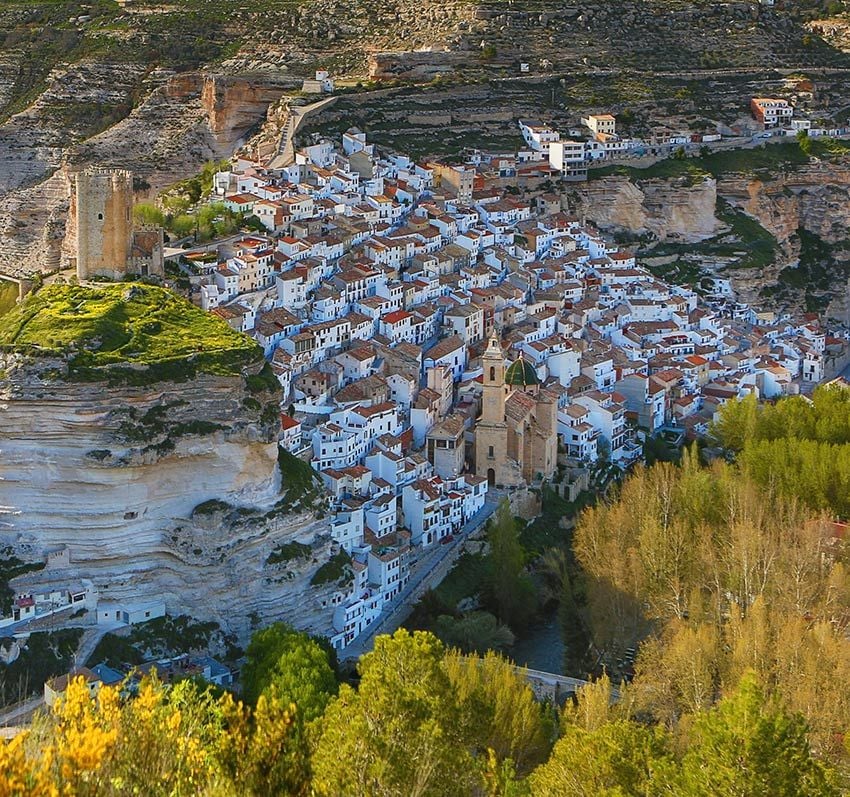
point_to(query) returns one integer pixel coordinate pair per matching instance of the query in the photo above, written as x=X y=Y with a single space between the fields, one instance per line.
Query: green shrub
x=286 y=552
x=300 y=484
x=263 y=382
x=46 y=655
x=211 y=507
x=338 y=569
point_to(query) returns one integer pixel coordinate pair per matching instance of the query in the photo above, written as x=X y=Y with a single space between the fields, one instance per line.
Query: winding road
x=430 y=570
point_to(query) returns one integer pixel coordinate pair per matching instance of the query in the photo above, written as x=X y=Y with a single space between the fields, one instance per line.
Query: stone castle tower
x=104 y=205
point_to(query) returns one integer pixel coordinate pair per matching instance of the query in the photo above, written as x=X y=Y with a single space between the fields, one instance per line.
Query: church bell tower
x=493 y=395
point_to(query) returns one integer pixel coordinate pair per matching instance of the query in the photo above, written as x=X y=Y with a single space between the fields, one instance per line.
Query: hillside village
x=439 y=336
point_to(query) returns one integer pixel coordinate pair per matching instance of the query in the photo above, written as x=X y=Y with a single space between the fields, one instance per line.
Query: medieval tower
x=104 y=205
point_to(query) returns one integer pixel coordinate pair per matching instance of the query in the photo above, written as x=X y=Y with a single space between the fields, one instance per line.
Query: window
x=100 y=216
x=490 y=454
x=492 y=373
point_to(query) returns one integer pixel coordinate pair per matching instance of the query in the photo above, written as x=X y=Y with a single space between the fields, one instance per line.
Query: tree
x=176 y=740
x=182 y=225
x=254 y=224
x=554 y=568
x=678 y=672
x=617 y=759
x=400 y=733
x=148 y=213
x=736 y=424
x=510 y=589
x=159 y=743
x=595 y=705
x=499 y=711
x=476 y=632
x=804 y=141
x=749 y=745
x=176 y=203
x=264 y=751
x=289 y=667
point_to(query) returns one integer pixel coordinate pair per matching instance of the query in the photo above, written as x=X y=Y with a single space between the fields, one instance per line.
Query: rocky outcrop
x=184 y=121
x=700 y=217
x=234 y=105
x=416 y=66
x=666 y=210
x=120 y=476
x=815 y=197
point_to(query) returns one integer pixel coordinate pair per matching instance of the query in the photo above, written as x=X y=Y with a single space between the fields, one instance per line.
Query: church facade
x=516 y=436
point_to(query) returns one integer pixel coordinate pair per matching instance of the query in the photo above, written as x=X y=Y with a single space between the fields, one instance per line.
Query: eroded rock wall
x=184 y=121
x=668 y=210
x=815 y=197
x=92 y=468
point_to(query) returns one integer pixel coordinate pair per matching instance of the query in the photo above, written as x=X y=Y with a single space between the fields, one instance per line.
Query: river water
x=543 y=648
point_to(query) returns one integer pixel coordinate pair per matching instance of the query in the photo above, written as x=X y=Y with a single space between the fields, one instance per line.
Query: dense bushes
x=422 y=720
x=799 y=447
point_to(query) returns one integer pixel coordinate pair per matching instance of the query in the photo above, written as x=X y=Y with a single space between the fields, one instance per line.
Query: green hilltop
x=102 y=328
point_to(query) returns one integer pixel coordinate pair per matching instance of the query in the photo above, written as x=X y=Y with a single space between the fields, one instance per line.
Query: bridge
x=550 y=686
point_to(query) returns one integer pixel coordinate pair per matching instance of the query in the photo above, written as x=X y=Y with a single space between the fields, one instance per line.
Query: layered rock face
x=184 y=121
x=666 y=209
x=815 y=197
x=115 y=474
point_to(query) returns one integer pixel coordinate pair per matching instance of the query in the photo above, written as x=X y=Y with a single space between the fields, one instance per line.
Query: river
x=543 y=648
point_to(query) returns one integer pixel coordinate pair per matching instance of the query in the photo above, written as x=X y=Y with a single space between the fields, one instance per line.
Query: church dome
x=521 y=373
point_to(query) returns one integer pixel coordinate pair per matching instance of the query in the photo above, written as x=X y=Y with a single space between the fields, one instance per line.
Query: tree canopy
x=292 y=667
x=424 y=721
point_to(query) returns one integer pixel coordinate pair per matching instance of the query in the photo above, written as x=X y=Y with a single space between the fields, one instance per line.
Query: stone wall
x=525 y=504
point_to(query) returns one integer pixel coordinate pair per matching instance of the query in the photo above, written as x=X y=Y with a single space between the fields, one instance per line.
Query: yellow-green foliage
x=175 y=741
x=715 y=575
x=124 y=323
x=800 y=447
x=422 y=721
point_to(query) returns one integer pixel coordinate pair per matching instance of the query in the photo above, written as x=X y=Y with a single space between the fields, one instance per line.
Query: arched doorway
x=491 y=477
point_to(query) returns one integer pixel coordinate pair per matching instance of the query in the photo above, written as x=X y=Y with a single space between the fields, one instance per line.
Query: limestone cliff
x=779 y=234
x=90 y=467
x=807 y=210
x=158 y=487
x=183 y=121
x=677 y=210
x=815 y=197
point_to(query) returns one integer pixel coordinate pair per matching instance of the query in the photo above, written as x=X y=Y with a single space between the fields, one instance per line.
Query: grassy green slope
x=125 y=323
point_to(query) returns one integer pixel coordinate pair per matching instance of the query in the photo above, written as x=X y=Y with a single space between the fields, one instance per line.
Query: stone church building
x=516 y=437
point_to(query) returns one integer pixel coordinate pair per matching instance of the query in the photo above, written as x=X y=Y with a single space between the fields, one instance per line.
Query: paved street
x=22 y=713
x=433 y=566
